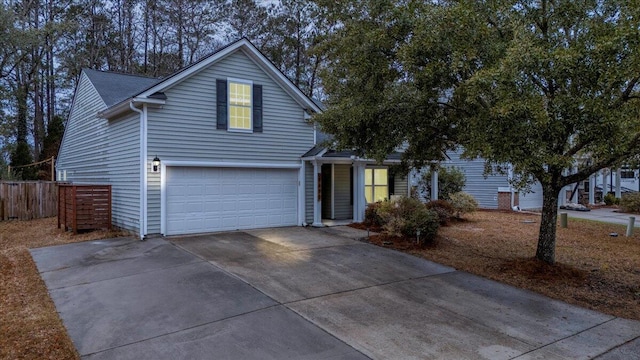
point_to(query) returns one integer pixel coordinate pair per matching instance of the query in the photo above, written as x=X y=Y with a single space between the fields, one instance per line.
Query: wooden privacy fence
x=26 y=200
x=84 y=207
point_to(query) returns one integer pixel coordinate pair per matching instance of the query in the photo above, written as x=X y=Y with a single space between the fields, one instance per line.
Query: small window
x=376 y=184
x=627 y=174
x=240 y=105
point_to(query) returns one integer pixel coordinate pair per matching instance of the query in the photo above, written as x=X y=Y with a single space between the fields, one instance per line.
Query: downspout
x=142 y=169
x=510 y=179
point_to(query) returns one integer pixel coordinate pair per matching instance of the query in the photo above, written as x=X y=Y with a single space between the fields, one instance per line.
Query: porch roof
x=320 y=152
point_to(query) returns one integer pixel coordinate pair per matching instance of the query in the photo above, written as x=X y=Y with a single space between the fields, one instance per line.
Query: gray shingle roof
x=116 y=87
x=313 y=151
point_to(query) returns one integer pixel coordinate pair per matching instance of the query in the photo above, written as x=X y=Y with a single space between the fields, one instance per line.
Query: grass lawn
x=593 y=269
x=29 y=324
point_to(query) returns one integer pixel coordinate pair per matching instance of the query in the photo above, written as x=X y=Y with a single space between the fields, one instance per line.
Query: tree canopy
x=549 y=87
x=46 y=43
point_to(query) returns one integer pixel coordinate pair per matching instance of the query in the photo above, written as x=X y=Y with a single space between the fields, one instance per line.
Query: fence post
x=563 y=220
x=632 y=220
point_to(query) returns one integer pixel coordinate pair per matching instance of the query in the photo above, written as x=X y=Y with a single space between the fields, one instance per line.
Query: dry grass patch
x=593 y=269
x=29 y=324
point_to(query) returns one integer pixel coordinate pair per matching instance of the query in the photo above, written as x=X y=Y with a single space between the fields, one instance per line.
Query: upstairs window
x=239 y=105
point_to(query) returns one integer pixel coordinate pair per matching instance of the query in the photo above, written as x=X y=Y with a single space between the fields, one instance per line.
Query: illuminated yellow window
x=239 y=106
x=376 y=184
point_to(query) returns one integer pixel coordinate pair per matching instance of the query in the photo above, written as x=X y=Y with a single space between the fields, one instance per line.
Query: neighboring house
x=235 y=146
x=491 y=191
x=495 y=191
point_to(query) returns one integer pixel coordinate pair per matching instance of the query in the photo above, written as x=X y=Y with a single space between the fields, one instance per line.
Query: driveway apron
x=308 y=294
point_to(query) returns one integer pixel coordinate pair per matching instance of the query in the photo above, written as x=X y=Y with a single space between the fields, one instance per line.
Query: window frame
x=625 y=171
x=230 y=105
x=373 y=184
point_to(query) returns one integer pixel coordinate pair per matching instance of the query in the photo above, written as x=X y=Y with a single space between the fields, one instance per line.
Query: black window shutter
x=392 y=185
x=257 y=108
x=221 y=104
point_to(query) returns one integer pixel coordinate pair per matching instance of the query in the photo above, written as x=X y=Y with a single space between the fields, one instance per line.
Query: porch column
x=317 y=201
x=434 y=184
x=605 y=185
x=592 y=189
x=333 y=191
x=618 y=187
x=359 y=202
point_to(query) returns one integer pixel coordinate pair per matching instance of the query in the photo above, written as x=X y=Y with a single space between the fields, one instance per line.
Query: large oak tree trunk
x=547 y=238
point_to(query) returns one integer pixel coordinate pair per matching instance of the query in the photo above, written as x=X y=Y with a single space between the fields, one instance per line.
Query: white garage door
x=216 y=199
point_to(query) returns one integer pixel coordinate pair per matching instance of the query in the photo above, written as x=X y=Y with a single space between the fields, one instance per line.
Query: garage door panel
x=211 y=189
x=217 y=199
x=261 y=204
x=290 y=203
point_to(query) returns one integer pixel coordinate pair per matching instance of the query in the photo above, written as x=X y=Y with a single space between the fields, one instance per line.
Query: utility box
x=84 y=207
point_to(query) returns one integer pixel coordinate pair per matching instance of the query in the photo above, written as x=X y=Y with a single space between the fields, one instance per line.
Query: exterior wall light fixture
x=155 y=164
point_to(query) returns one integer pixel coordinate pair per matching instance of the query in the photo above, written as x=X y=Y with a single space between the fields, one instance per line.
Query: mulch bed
x=592 y=269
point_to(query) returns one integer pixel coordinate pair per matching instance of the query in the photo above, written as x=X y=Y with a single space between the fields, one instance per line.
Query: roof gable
x=114 y=88
x=254 y=54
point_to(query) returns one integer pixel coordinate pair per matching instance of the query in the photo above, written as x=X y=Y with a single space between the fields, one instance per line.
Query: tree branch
x=577 y=147
x=627 y=92
x=630 y=151
x=539 y=83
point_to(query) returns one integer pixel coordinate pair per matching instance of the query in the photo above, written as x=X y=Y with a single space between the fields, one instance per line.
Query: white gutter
x=143 y=168
x=125 y=105
x=511 y=190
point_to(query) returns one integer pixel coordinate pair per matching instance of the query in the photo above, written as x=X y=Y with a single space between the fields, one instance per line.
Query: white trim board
x=215 y=164
x=229 y=164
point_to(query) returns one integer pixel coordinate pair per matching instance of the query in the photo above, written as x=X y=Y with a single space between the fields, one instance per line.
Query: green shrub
x=443 y=208
x=371 y=217
x=611 y=199
x=406 y=216
x=463 y=203
x=450 y=180
x=630 y=203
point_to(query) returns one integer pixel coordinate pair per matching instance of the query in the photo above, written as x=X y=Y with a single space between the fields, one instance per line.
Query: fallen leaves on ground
x=29 y=323
x=592 y=269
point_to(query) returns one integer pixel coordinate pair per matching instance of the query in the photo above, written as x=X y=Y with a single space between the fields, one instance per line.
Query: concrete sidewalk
x=608 y=215
x=300 y=293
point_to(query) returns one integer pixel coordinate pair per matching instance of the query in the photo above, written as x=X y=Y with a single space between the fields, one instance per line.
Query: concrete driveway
x=299 y=293
x=608 y=215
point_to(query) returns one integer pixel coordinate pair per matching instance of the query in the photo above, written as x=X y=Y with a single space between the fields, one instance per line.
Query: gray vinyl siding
x=308 y=192
x=485 y=190
x=531 y=200
x=124 y=171
x=83 y=152
x=342 y=192
x=401 y=186
x=184 y=129
x=98 y=151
